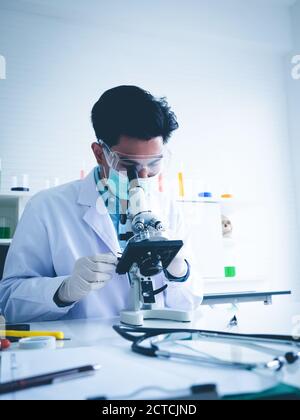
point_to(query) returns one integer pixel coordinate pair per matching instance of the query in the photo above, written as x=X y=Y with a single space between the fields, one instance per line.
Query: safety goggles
x=121 y=162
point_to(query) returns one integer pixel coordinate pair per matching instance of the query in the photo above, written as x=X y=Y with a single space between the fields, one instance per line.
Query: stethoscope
x=146 y=341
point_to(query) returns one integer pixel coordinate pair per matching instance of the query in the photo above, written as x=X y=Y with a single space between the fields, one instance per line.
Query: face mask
x=119 y=184
x=150 y=185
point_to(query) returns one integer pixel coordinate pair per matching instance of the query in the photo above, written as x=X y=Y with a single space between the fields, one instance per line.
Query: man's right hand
x=90 y=273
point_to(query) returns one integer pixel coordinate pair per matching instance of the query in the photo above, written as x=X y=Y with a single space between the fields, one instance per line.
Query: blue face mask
x=118 y=184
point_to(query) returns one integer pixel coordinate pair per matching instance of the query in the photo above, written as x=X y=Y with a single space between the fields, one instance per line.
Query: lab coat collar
x=97 y=215
x=88 y=193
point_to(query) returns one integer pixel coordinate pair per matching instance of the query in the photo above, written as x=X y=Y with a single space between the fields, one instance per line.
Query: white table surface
x=123 y=372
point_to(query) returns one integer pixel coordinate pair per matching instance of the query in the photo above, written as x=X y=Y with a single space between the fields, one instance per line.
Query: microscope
x=147 y=254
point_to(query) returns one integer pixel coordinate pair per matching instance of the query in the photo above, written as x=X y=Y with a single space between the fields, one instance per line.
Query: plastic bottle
x=181 y=185
x=25 y=184
x=205 y=194
x=14 y=182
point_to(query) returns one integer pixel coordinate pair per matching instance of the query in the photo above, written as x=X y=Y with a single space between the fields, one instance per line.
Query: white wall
x=221 y=65
x=294 y=114
x=294 y=98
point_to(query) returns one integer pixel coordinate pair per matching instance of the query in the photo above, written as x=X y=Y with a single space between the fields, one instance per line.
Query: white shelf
x=231 y=280
x=5 y=241
x=200 y=201
x=14 y=194
x=12 y=199
x=12 y=205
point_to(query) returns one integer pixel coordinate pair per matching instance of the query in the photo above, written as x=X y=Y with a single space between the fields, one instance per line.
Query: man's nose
x=144 y=173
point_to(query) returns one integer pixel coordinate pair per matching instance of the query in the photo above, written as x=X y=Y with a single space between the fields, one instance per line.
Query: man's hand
x=89 y=274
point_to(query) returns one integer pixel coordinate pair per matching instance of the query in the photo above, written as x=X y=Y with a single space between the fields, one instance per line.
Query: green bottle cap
x=230 y=271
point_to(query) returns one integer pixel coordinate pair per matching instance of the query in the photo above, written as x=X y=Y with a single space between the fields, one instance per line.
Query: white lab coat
x=58 y=227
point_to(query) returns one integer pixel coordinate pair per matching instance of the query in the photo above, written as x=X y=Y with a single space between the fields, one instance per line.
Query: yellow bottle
x=181 y=185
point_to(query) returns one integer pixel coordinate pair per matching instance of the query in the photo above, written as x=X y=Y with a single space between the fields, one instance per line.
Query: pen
x=17 y=327
x=24 y=334
x=47 y=379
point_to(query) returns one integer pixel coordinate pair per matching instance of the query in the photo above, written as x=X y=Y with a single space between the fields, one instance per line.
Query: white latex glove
x=89 y=274
x=178 y=267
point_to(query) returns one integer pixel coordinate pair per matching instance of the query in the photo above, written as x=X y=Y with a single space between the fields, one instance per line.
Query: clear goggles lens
x=154 y=164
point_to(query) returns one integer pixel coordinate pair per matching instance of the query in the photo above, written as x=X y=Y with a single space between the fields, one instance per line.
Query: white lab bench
x=123 y=372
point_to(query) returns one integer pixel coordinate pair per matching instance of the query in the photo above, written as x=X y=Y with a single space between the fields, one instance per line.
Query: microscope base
x=136 y=318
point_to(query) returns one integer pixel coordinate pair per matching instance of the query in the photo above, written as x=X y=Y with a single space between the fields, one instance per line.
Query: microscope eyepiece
x=132 y=174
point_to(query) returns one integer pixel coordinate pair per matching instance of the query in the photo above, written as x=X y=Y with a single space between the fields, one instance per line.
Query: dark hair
x=134 y=112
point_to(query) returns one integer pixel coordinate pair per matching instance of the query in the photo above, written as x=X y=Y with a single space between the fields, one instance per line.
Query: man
x=62 y=261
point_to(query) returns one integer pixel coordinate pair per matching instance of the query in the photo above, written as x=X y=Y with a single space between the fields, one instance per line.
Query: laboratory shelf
x=15 y=195
x=5 y=242
x=243 y=297
x=12 y=205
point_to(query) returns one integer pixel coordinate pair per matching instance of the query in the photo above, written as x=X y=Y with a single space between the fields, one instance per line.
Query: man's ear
x=98 y=153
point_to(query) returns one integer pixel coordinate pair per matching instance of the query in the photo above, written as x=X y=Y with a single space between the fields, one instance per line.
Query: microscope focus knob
x=159 y=226
x=139 y=227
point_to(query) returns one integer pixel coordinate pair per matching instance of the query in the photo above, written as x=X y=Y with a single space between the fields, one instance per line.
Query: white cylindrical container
x=14 y=182
x=24 y=187
x=25 y=182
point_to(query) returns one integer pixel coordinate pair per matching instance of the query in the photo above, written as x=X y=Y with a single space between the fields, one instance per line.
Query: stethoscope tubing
x=128 y=334
x=153 y=351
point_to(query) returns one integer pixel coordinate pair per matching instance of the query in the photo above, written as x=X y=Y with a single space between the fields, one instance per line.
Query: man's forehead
x=134 y=146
